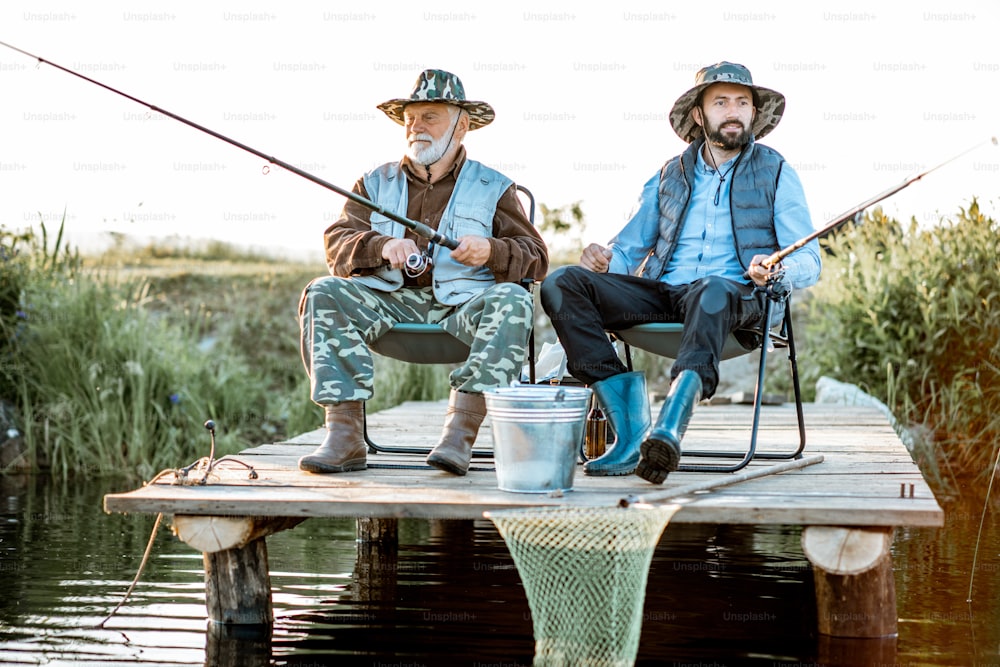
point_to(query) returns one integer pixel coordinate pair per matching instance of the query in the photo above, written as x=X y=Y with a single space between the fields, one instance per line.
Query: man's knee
x=518 y=307
x=508 y=292
x=563 y=279
x=508 y=300
x=716 y=294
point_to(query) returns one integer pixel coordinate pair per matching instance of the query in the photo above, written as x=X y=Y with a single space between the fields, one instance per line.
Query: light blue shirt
x=706 y=246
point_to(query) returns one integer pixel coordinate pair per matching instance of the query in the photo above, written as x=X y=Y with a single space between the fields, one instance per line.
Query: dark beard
x=727 y=142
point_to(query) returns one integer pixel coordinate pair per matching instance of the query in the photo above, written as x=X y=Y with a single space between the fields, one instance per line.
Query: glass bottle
x=597 y=430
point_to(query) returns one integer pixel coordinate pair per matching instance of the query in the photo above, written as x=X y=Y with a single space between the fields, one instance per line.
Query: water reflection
x=449 y=594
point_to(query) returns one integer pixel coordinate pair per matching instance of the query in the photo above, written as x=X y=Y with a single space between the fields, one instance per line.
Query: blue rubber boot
x=625 y=402
x=661 y=450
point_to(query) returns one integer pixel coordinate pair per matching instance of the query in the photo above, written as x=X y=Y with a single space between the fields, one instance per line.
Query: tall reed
x=103 y=385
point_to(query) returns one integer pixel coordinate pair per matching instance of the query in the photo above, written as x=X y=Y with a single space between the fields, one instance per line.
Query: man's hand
x=395 y=251
x=596 y=258
x=759 y=273
x=472 y=250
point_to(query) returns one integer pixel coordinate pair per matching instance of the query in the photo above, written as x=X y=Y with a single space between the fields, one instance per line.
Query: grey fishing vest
x=751 y=204
x=470 y=211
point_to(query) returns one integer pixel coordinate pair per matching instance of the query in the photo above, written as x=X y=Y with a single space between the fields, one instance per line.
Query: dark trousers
x=584 y=305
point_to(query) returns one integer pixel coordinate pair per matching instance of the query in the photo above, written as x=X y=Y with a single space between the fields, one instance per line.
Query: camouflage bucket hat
x=435 y=85
x=770 y=104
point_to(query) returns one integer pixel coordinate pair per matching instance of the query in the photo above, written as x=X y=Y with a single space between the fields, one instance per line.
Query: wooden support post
x=237 y=579
x=852 y=651
x=238 y=585
x=382 y=531
x=237 y=645
x=855 y=587
x=209 y=534
x=377 y=566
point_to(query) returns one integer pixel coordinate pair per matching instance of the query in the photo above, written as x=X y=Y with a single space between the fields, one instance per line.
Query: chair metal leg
x=751 y=453
x=745 y=457
x=794 y=368
x=374 y=448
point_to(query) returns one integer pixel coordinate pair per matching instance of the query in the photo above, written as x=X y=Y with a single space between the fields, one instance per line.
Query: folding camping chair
x=663 y=339
x=430 y=344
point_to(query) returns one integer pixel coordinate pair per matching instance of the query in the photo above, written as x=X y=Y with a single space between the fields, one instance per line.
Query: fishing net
x=584 y=572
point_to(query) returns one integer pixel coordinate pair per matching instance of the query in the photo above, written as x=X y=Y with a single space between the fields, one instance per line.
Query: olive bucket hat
x=435 y=85
x=770 y=104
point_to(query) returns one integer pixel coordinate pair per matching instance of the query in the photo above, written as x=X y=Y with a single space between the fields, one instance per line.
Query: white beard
x=425 y=154
x=429 y=154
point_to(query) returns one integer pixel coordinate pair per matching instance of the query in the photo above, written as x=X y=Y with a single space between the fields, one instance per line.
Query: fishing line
x=180 y=477
x=852 y=213
x=128 y=593
x=418 y=227
x=138 y=573
x=982 y=519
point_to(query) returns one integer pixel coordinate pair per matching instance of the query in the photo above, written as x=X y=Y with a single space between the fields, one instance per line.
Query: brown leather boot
x=344 y=448
x=461 y=426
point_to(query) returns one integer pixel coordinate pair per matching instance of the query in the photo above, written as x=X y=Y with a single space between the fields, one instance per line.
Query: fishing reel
x=417 y=264
x=777 y=288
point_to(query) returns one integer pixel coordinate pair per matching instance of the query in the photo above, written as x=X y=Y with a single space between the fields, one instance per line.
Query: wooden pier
x=849 y=503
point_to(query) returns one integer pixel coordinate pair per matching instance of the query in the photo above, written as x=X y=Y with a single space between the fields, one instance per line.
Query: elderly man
x=471 y=291
x=694 y=251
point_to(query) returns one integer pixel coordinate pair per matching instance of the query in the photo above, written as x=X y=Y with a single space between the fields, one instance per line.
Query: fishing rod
x=417 y=227
x=851 y=214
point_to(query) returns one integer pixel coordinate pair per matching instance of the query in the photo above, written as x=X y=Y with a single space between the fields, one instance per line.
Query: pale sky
x=876 y=93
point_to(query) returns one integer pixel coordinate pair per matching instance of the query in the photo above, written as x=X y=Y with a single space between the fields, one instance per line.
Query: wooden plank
x=725 y=506
x=852 y=477
x=276 y=467
x=285 y=457
x=859 y=482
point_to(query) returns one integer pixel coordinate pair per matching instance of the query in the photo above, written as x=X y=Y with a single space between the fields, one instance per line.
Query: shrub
x=912 y=315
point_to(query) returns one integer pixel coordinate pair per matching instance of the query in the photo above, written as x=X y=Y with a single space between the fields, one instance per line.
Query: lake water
x=726 y=595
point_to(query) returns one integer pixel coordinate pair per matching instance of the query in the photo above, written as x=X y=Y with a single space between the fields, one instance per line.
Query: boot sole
x=620 y=472
x=324 y=468
x=447 y=466
x=659 y=459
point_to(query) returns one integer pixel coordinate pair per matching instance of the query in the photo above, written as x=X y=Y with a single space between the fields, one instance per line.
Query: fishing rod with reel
x=414 y=262
x=855 y=212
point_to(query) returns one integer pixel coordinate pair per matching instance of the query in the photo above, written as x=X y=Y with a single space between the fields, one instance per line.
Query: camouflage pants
x=339 y=317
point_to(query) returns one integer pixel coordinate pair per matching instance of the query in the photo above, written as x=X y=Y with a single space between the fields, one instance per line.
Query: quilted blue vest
x=751 y=204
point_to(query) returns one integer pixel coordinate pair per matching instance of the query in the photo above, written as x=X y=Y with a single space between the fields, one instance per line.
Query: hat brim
x=770 y=107
x=481 y=114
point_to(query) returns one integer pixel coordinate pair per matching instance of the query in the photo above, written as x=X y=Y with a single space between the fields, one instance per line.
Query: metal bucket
x=537 y=432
